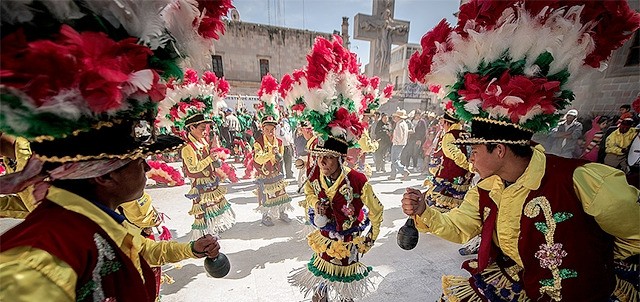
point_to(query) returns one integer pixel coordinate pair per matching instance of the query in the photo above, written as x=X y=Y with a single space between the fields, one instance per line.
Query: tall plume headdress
x=82 y=79
x=332 y=95
x=192 y=100
x=510 y=67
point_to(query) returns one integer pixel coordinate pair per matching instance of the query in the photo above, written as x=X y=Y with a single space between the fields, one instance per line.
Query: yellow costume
x=53 y=279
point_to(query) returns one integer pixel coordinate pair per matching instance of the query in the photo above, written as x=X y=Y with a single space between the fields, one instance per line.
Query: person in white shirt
x=399 y=140
x=283 y=132
x=564 y=138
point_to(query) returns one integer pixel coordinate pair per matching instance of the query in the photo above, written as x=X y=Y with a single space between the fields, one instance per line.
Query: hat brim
x=104 y=143
x=324 y=152
x=486 y=131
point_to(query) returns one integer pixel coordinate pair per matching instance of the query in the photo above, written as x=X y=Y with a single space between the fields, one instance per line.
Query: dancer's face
x=329 y=165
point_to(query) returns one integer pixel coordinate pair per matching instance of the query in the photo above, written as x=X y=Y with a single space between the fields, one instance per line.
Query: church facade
x=248 y=51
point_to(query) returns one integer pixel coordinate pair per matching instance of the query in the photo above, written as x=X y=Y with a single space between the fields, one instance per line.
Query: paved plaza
x=262 y=257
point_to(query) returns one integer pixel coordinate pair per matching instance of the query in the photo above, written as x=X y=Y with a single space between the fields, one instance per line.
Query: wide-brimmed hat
x=82 y=80
x=401 y=113
x=508 y=67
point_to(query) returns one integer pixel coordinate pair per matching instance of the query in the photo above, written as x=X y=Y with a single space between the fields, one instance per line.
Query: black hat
x=450 y=118
x=269 y=120
x=331 y=146
x=487 y=131
x=195 y=119
x=118 y=139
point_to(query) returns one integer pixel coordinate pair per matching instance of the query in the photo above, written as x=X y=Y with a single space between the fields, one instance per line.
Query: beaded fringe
x=310 y=284
x=457 y=288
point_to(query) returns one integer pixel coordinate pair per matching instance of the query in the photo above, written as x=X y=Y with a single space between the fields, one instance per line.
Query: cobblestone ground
x=262 y=257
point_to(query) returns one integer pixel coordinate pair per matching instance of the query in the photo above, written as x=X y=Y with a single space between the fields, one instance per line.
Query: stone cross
x=382 y=30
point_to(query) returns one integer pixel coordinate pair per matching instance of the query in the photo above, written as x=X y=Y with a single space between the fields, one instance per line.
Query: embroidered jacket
x=602 y=205
x=556 y=266
x=88 y=257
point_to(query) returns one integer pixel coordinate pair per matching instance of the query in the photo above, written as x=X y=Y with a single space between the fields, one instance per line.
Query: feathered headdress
x=77 y=72
x=332 y=95
x=268 y=111
x=193 y=100
x=510 y=66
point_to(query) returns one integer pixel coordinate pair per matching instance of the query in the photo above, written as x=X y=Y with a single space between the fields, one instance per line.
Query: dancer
x=185 y=111
x=273 y=200
x=341 y=203
x=88 y=113
x=553 y=229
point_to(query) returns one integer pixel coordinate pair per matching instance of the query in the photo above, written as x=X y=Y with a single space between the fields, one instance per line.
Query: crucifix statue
x=382 y=30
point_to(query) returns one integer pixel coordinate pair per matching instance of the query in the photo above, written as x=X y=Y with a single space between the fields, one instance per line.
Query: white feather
x=473 y=106
x=140 y=19
x=63 y=9
x=15 y=12
x=68 y=104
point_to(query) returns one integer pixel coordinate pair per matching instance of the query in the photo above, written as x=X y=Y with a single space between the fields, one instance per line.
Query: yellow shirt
x=21 y=204
x=368 y=197
x=30 y=274
x=140 y=212
x=367 y=145
x=453 y=151
x=190 y=157
x=617 y=141
x=263 y=155
x=603 y=191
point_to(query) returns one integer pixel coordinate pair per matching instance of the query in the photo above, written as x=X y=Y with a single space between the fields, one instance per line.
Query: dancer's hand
x=413 y=202
x=206 y=245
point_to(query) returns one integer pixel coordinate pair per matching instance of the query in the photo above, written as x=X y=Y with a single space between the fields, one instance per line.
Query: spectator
x=593 y=137
x=284 y=133
x=617 y=145
x=625 y=113
x=564 y=138
x=383 y=135
x=399 y=140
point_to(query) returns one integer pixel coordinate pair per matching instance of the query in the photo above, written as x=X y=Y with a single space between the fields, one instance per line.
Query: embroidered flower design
x=551 y=255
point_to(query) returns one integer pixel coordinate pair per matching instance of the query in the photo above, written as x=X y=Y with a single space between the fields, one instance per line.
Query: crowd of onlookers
x=603 y=139
x=406 y=141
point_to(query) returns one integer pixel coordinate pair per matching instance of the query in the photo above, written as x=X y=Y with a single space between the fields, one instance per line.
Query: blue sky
x=326 y=15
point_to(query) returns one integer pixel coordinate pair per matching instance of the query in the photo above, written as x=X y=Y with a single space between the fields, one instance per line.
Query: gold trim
x=322 y=151
x=138 y=153
x=502 y=123
x=97 y=126
x=482 y=141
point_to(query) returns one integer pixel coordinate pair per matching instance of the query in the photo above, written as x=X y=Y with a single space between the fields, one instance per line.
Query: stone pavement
x=262 y=257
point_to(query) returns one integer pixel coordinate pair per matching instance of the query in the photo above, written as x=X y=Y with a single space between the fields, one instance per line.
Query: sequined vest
x=337 y=212
x=104 y=272
x=565 y=253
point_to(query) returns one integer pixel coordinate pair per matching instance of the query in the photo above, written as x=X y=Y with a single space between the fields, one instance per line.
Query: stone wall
x=244 y=44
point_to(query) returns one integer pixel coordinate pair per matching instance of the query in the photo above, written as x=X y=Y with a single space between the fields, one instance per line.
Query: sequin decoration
x=550 y=253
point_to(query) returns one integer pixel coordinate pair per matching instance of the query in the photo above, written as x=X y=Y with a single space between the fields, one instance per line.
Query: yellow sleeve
x=30 y=274
x=376 y=209
x=190 y=160
x=606 y=195
x=453 y=151
x=161 y=252
x=12 y=206
x=612 y=143
x=459 y=225
x=23 y=152
x=310 y=195
x=262 y=156
x=366 y=144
